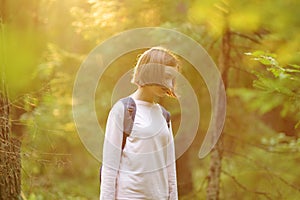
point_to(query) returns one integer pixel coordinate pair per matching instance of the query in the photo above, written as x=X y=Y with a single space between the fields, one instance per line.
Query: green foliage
x=43 y=46
x=252 y=19
x=281 y=143
x=19 y=54
x=283 y=84
x=276 y=86
x=263 y=160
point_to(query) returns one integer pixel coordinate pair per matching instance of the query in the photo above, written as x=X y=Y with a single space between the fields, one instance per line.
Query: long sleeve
x=172 y=178
x=112 y=152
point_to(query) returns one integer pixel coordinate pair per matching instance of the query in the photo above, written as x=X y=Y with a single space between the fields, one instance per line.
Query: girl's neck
x=143 y=94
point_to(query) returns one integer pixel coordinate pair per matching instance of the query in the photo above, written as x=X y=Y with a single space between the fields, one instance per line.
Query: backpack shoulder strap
x=129 y=115
x=166 y=115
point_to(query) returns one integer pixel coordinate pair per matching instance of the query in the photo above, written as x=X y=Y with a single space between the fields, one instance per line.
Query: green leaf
x=297 y=125
x=275 y=71
x=295 y=66
x=292 y=70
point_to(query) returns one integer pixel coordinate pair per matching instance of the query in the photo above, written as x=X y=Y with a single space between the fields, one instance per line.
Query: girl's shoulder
x=117 y=108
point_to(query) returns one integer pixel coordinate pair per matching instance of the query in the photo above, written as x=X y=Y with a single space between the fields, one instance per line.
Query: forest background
x=255 y=44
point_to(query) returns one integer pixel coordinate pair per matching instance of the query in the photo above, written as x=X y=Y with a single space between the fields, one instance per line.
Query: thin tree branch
x=244 y=187
x=246 y=37
x=261 y=147
x=265 y=168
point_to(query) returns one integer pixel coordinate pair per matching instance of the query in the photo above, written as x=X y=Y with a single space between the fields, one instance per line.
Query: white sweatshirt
x=145 y=169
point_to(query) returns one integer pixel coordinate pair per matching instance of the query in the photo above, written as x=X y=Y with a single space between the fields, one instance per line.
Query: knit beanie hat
x=156 y=74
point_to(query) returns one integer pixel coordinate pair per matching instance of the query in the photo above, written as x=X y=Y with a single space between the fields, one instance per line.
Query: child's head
x=156 y=66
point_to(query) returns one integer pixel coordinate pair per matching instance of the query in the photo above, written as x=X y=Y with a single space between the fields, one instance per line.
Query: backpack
x=129 y=115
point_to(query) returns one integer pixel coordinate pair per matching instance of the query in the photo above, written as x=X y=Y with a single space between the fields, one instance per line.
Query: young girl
x=143 y=167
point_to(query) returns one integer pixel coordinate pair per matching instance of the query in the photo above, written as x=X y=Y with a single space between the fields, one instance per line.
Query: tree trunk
x=185 y=183
x=213 y=187
x=10 y=160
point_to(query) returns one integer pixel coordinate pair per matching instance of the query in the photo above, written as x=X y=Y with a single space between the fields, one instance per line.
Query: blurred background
x=254 y=43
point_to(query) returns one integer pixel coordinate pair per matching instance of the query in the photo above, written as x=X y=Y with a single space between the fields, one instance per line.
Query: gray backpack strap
x=129 y=115
x=166 y=115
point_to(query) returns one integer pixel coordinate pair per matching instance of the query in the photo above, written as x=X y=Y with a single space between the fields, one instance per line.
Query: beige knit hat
x=157 y=66
x=156 y=74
